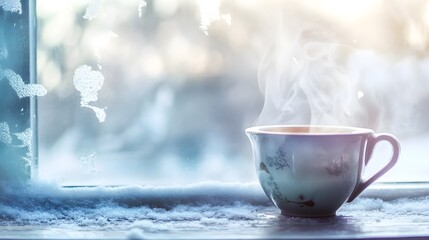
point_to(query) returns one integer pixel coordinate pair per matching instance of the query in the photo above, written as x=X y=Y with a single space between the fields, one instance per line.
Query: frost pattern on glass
x=93 y=9
x=26 y=138
x=141 y=5
x=11 y=5
x=5 y=133
x=3 y=51
x=88 y=82
x=88 y=164
x=209 y=10
x=99 y=112
x=22 y=89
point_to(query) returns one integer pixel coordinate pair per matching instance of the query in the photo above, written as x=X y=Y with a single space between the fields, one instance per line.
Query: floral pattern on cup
x=337 y=167
x=275 y=191
x=279 y=161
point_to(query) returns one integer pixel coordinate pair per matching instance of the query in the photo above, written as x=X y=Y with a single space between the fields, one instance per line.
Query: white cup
x=310 y=171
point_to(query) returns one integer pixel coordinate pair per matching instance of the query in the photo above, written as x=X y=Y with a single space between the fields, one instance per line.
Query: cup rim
x=343 y=130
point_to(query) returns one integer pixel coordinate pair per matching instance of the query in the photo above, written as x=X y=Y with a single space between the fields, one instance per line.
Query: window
x=160 y=92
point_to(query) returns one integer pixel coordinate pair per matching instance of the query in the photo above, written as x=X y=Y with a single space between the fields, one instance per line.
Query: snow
x=11 y=5
x=204 y=210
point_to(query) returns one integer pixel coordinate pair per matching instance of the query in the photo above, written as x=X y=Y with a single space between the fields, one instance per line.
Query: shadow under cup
x=310 y=171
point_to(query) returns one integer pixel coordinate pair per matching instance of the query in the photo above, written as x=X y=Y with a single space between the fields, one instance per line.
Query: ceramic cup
x=310 y=171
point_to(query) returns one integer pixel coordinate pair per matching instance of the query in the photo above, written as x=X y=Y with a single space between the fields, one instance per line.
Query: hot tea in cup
x=310 y=171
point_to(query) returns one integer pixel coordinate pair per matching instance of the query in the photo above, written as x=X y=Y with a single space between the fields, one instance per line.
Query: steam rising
x=303 y=82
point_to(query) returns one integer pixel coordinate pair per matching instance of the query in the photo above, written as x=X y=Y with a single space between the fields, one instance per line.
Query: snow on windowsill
x=205 y=210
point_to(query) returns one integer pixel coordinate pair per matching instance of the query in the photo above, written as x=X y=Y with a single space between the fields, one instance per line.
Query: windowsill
x=206 y=210
x=396 y=190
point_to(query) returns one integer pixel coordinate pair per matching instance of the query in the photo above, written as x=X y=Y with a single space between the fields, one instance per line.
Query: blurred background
x=180 y=80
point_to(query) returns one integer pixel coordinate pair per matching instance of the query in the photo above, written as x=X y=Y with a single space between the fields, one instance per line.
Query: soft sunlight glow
x=99 y=42
x=181 y=81
x=210 y=12
x=345 y=9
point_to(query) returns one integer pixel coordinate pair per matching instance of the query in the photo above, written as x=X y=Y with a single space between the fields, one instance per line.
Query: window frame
x=378 y=187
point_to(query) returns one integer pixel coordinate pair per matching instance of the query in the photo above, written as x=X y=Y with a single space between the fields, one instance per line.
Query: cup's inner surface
x=306 y=129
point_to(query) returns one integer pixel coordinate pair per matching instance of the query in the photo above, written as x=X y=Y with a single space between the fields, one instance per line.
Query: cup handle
x=372 y=141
